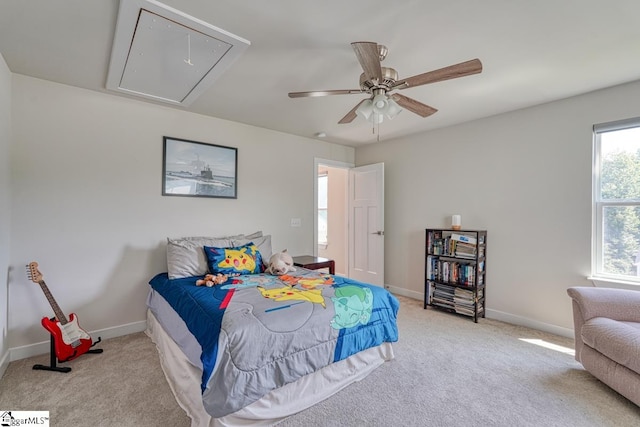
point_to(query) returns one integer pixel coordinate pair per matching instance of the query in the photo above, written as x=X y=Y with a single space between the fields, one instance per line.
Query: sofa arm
x=616 y=304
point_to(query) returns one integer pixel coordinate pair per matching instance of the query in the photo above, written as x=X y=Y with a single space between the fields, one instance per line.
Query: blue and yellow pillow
x=245 y=259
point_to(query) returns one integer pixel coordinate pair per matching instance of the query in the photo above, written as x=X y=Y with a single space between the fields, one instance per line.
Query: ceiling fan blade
x=369 y=58
x=351 y=115
x=324 y=93
x=462 y=69
x=414 y=106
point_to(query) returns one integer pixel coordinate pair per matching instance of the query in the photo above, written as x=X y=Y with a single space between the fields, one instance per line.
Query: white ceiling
x=532 y=51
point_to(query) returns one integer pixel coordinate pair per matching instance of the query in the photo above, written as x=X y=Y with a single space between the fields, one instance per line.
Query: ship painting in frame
x=198 y=169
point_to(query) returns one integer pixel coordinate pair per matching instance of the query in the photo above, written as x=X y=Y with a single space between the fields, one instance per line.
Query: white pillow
x=248 y=236
x=186 y=257
x=237 y=236
x=263 y=243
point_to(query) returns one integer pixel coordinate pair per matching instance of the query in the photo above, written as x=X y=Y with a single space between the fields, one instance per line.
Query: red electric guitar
x=70 y=340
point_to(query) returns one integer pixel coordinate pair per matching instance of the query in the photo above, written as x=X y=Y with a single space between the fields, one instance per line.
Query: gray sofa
x=607 y=336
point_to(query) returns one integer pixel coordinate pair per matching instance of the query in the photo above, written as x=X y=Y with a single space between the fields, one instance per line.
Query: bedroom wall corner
x=5 y=208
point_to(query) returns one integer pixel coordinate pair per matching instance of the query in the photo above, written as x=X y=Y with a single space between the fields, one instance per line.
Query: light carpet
x=448 y=371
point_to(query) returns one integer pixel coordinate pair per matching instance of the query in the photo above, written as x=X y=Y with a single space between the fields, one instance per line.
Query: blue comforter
x=259 y=332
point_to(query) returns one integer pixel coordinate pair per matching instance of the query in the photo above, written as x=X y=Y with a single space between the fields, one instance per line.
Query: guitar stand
x=53 y=360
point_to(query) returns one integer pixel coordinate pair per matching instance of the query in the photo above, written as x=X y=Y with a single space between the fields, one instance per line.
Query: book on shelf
x=468 y=312
x=441 y=302
x=459 y=300
x=463 y=238
x=470 y=247
x=465 y=250
x=459 y=273
x=454 y=248
x=462 y=294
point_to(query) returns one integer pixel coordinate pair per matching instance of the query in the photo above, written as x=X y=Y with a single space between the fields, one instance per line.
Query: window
x=323 y=188
x=616 y=201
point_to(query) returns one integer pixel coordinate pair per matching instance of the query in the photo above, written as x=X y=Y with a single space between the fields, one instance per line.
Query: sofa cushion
x=619 y=341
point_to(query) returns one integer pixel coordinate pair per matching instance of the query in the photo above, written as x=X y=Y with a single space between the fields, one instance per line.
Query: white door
x=366 y=224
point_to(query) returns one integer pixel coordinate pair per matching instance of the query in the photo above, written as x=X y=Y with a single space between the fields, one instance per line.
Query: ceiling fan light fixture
x=376 y=118
x=365 y=109
x=380 y=103
x=377 y=108
x=384 y=106
x=393 y=109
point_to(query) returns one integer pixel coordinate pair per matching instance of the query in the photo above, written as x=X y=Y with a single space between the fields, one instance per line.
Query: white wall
x=87 y=203
x=5 y=206
x=524 y=176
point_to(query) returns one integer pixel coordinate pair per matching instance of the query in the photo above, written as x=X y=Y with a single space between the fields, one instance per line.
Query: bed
x=259 y=348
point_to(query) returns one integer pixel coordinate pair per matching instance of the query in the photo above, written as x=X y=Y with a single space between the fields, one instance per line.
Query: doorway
x=349 y=219
x=331 y=204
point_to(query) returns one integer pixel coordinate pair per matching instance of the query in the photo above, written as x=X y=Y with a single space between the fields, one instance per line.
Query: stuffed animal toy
x=280 y=263
x=210 y=280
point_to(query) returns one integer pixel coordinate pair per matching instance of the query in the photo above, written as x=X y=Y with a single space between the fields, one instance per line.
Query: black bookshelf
x=455 y=271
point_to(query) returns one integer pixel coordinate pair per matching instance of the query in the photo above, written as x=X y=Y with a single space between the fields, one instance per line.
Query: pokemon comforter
x=259 y=332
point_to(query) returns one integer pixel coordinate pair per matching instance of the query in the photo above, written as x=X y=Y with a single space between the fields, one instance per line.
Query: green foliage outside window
x=620 y=185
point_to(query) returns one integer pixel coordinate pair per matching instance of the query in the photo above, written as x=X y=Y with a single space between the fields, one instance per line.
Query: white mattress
x=184 y=375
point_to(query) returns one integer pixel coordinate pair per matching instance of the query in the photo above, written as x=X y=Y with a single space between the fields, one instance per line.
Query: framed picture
x=198 y=169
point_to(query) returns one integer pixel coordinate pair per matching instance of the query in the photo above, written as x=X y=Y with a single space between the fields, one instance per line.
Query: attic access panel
x=163 y=54
x=168 y=60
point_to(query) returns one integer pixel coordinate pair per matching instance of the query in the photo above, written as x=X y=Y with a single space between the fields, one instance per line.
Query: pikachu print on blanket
x=287 y=293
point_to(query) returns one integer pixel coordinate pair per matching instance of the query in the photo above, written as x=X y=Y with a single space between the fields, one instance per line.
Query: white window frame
x=597 y=252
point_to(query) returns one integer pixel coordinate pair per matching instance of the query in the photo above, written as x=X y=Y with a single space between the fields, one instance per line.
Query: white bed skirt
x=184 y=380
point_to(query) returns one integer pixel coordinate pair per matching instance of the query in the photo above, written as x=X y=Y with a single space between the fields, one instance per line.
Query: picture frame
x=199 y=169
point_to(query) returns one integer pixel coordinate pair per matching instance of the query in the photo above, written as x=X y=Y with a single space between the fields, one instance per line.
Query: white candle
x=456 y=221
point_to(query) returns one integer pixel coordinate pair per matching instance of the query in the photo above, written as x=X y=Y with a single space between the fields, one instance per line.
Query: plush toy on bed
x=211 y=280
x=280 y=263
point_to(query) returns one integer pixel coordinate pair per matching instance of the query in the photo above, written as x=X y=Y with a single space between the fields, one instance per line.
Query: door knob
x=379 y=233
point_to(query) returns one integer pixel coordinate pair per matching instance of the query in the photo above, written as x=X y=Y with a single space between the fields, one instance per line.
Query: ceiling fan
x=380 y=81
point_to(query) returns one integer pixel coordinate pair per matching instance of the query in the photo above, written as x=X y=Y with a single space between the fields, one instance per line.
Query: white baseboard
x=497 y=315
x=25 y=351
x=4 y=363
x=529 y=323
x=405 y=292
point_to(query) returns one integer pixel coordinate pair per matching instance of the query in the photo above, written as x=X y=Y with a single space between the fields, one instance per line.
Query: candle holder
x=456 y=222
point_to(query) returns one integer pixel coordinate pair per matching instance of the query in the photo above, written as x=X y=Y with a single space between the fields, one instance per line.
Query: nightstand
x=315 y=263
